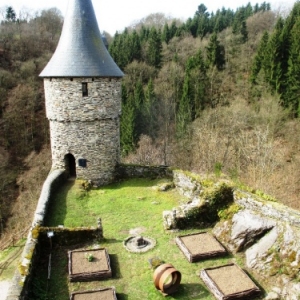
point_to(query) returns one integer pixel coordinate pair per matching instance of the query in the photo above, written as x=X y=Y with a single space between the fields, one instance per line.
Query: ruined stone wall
x=86 y=127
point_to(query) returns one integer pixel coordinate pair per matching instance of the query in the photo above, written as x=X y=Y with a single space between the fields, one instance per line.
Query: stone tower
x=83 y=99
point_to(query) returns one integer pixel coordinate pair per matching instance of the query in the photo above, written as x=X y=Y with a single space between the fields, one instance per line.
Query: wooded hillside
x=217 y=93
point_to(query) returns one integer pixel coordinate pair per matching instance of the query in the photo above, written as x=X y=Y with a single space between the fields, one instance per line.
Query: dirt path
x=4 y=286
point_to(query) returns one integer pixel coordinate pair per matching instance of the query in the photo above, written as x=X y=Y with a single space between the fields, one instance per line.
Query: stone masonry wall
x=86 y=127
x=65 y=103
x=22 y=275
x=97 y=142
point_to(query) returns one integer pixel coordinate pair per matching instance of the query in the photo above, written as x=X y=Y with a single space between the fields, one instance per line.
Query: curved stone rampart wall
x=22 y=275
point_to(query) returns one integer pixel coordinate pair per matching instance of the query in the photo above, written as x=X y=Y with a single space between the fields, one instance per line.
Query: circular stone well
x=139 y=244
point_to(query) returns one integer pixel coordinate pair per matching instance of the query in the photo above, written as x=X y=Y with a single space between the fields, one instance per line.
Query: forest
x=216 y=94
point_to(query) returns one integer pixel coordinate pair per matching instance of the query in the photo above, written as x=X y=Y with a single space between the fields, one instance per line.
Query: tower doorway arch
x=70 y=165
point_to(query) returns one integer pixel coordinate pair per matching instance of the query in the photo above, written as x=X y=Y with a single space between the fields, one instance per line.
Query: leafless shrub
x=147 y=153
x=138 y=71
x=259 y=23
x=249 y=143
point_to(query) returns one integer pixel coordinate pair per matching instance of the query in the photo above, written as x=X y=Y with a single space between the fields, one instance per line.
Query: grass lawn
x=124 y=208
x=9 y=260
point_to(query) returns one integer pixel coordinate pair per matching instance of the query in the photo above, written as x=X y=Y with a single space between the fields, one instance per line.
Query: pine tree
x=166 y=35
x=173 y=29
x=117 y=50
x=200 y=83
x=273 y=72
x=127 y=138
x=215 y=52
x=10 y=14
x=260 y=58
x=239 y=26
x=150 y=110
x=154 y=51
x=134 y=47
x=202 y=21
x=127 y=124
x=139 y=98
x=291 y=97
x=184 y=114
x=144 y=33
x=244 y=32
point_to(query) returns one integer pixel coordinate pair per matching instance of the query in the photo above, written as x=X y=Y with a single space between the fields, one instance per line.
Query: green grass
x=122 y=207
x=9 y=260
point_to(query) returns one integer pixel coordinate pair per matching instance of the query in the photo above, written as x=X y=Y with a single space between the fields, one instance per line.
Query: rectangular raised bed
x=229 y=282
x=81 y=269
x=101 y=294
x=199 y=246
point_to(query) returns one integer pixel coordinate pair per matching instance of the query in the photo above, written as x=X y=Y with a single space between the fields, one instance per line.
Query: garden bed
x=103 y=294
x=229 y=282
x=89 y=265
x=198 y=246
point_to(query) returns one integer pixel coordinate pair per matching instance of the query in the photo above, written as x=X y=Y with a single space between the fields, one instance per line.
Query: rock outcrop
x=269 y=234
x=266 y=234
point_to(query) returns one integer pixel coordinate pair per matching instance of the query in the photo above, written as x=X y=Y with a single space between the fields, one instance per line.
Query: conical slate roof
x=81 y=51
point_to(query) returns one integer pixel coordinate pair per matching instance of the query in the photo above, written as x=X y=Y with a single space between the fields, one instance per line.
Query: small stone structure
x=199 y=246
x=139 y=244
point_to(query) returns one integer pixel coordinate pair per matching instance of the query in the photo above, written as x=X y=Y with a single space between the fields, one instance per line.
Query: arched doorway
x=70 y=164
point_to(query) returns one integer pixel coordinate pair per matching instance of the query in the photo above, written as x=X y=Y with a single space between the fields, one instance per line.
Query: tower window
x=82 y=162
x=85 y=91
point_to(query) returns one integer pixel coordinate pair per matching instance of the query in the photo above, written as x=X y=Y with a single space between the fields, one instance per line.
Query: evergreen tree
x=184 y=114
x=150 y=110
x=200 y=83
x=144 y=33
x=166 y=35
x=127 y=124
x=173 y=29
x=237 y=21
x=154 y=50
x=239 y=26
x=139 y=98
x=286 y=37
x=248 y=12
x=291 y=96
x=193 y=26
x=10 y=14
x=244 y=32
x=125 y=48
x=194 y=92
x=202 y=17
x=117 y=50
x=273 y=62
x=215 y=52
x=256 y=8
x=134 y=47
x=260 y=58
